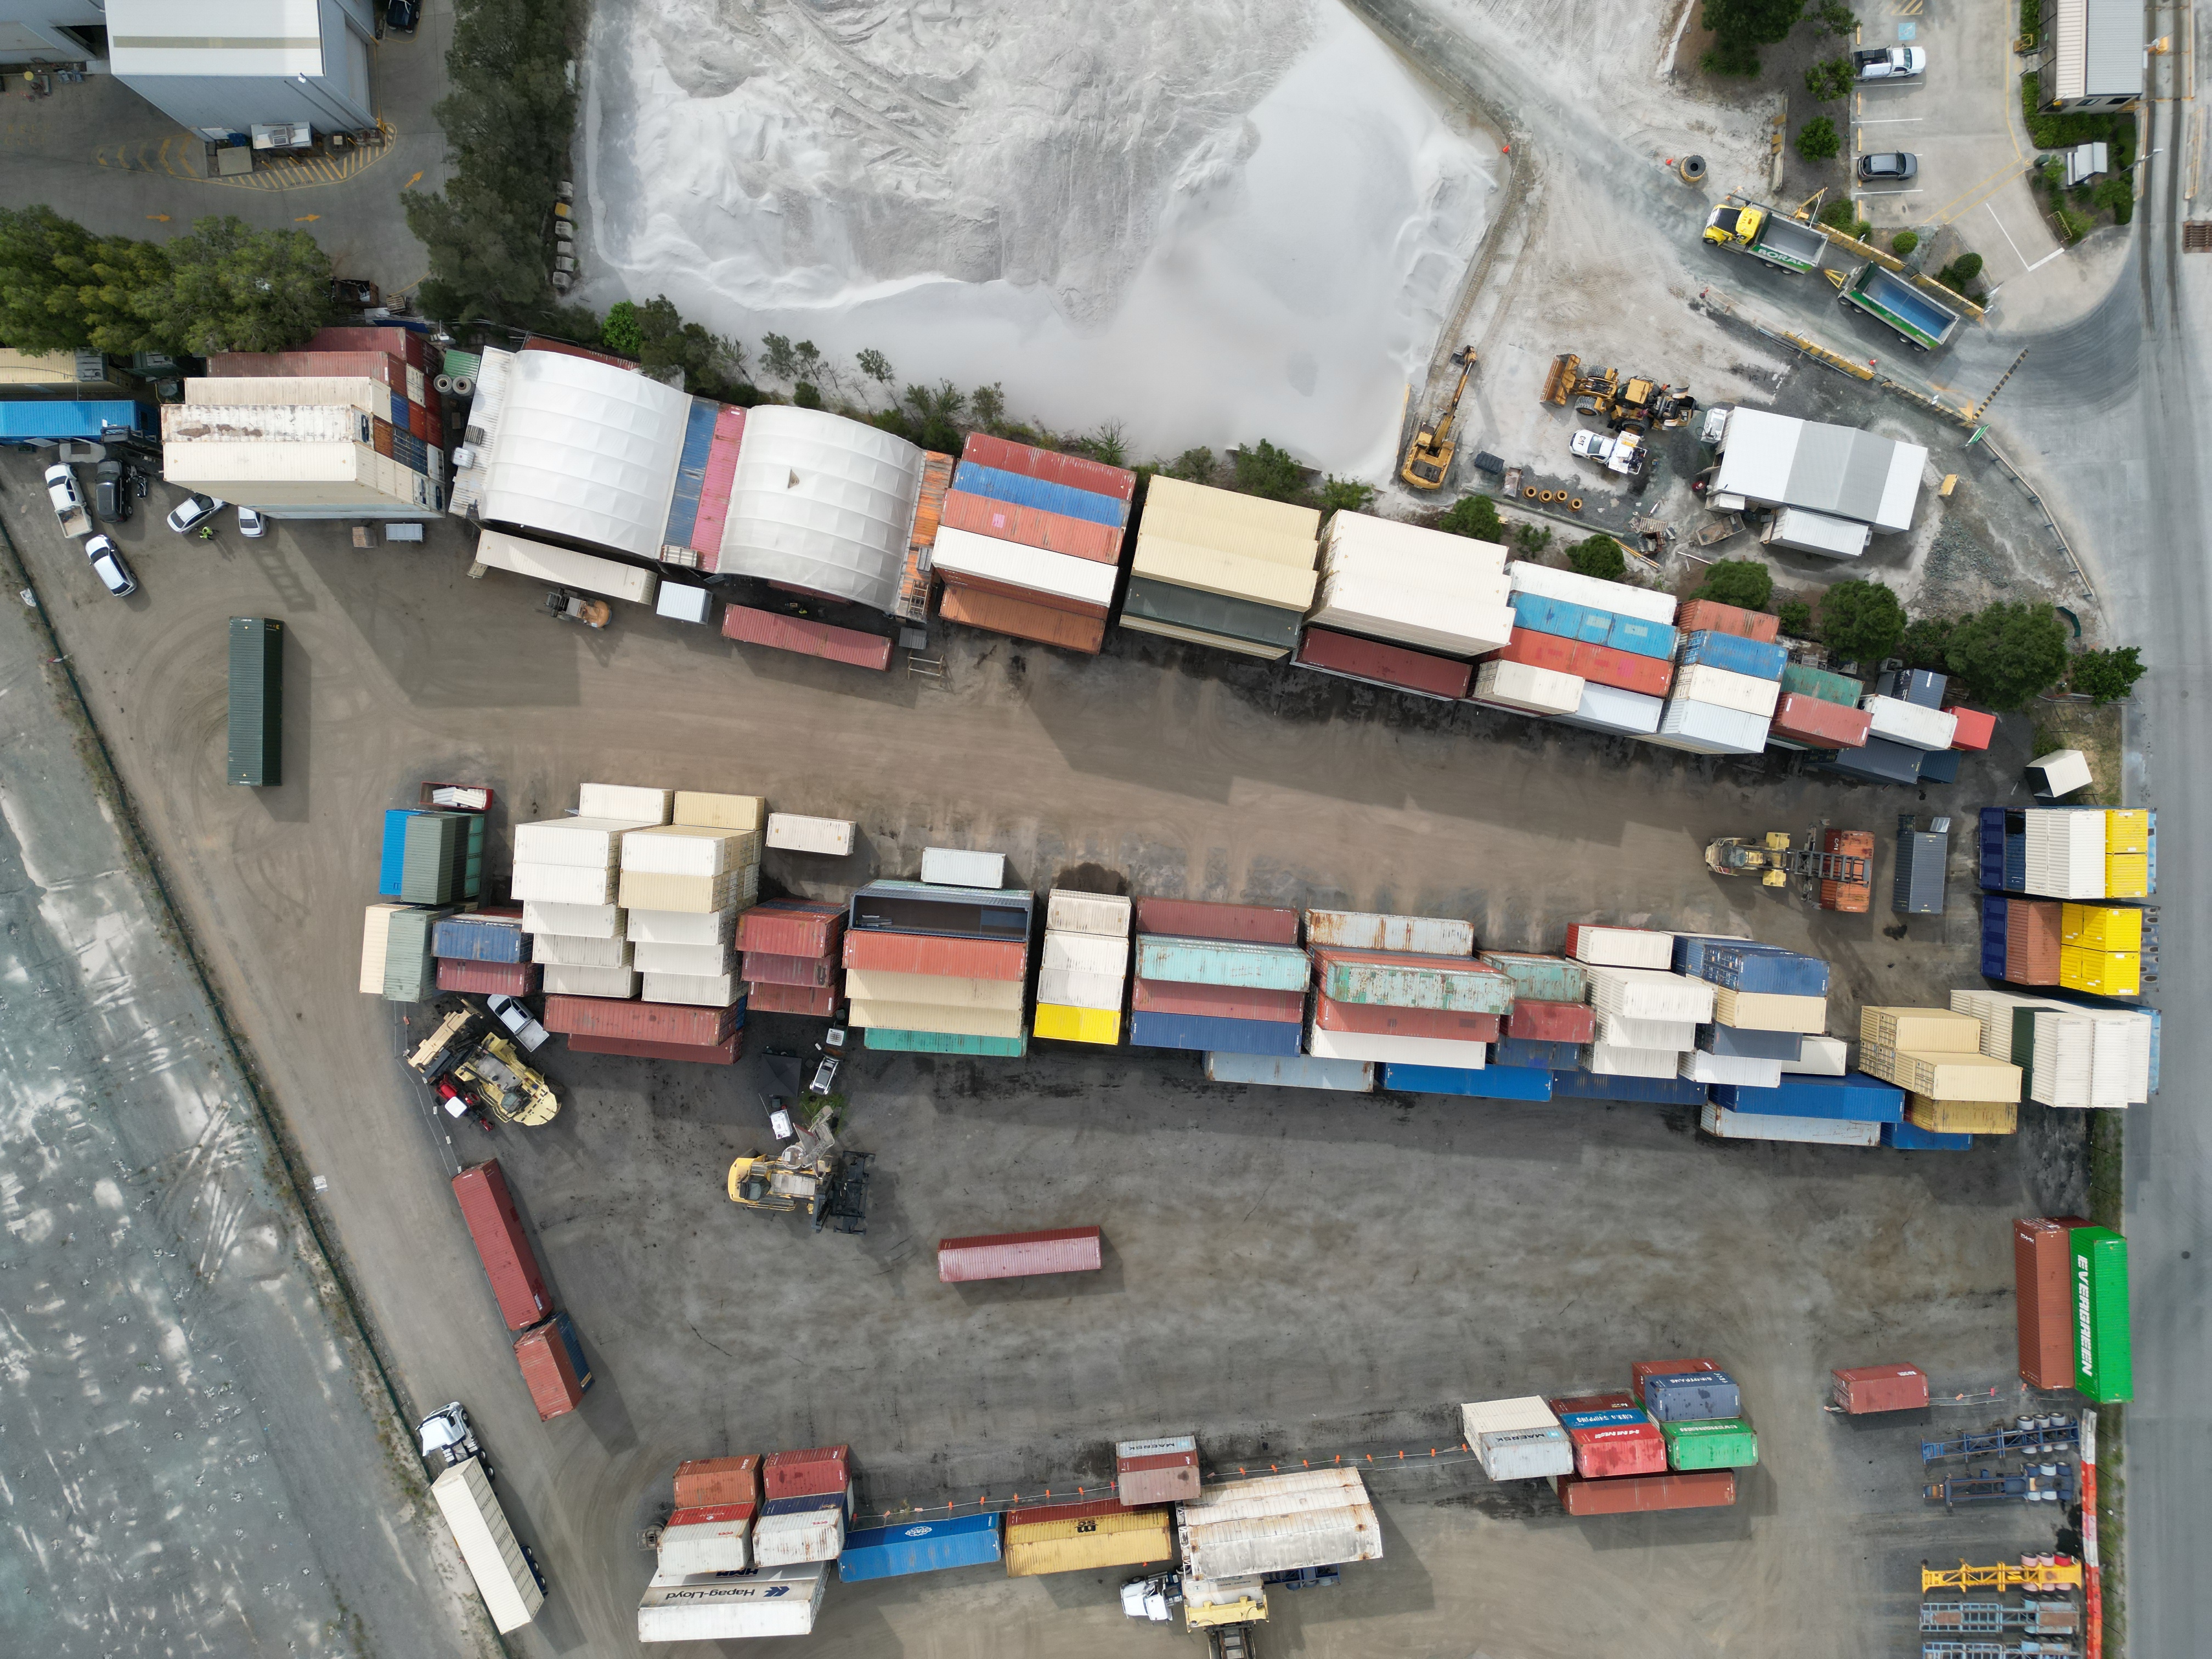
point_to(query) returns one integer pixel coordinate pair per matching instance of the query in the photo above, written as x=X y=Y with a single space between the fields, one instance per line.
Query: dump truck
x=474 y=1068
x=1766 y=233
x=1916 y=317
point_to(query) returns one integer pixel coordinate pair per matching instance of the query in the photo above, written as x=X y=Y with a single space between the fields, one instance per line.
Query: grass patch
x=2096 y=732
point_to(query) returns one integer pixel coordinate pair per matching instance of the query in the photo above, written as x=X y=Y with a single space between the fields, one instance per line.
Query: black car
x=402 y=16
x=1898 y=164
x=110 y=492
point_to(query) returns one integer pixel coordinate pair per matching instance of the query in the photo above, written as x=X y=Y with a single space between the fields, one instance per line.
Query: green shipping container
x=472 y=874
x=2104 y=1356
x=257 y=701
x=1542 y=979
x=1713 y=1442
x=946 y=1042
x=1469 y=990
x=431 y=858
x=1820 y=683
x=410 y=973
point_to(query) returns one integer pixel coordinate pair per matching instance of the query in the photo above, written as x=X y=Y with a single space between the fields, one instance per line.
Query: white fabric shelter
x=585 y=450
x=823 y=503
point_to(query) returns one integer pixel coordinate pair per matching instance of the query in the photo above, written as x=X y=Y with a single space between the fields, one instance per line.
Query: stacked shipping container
x=1226 y=978
x=1030 y=542
x=793 y=960
x=2071 y=1055
x=486 y=953
x=2071 y=1281
x=938 y=969
x=1083 y=978
x=1936 y=1055
x=1219 y=569
x=1402 y=607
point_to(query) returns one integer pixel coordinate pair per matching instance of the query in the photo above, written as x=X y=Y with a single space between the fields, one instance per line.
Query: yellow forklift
x=476 y=1070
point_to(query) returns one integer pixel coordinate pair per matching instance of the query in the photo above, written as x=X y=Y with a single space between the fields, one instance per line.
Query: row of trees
x=1741 y=27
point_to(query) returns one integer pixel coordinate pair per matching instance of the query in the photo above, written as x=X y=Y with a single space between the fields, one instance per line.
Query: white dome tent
x=823 y=503
x=585 y=450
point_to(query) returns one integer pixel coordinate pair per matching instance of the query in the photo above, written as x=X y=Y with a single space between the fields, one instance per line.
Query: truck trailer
x=1767 y=234
x=1916 y=317
x=506 y=1572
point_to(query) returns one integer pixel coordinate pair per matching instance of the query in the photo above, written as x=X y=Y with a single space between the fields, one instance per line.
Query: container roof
x=215 y=38
x=586 y=450
x=1781 y=461
x=823 y=503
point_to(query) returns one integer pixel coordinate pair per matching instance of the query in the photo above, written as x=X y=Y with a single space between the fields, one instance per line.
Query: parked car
x=1890 y=62
x=191 y=511
x=251 y=523
x=61 y=491
x=108 y=564
x=1896 y=164
x=110 y=491
x=401 y=17
x=517 y=1018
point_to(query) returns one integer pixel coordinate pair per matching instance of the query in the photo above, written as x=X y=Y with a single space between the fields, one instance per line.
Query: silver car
x=194 y=509
x=109 y=565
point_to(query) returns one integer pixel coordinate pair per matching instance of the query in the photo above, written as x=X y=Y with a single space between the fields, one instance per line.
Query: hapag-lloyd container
x=1252 y=924
x=640 y=1021
x=1018 y=1255
x=1232 y=1002
x=702 y=1482
x=503 y=1244
x=763 y=1601
x=1706 y=1489
x=1859 y=1389
x=714 y=1538
x=554 y=1368
x=1537 y=1020
x=1539 y=978
x=1220 y=962
x=2104 y=1358
x=1406 y=980
x=1619 y=947
x=1360 y=929
x=932 y=954
x=967 y=1540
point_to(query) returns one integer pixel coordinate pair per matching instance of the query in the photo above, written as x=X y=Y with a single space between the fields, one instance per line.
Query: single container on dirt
x=2103 y=1356
x=517 y=1282
x=793 y=832
x=554 y=1368
x=1857 y=1389
x=1018 y=1255
x=1707 y=1489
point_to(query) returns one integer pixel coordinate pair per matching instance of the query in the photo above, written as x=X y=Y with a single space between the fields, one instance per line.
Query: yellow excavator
x=1620 y=400
x=1430 y=455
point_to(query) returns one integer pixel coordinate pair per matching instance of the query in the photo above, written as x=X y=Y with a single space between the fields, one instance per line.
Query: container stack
x=398 y=961
x=485 y=954
x=1852 y=1109
x=1224 y=979
x=2071 y=1055
x=2069 y=852
x=574 y=864
x=1727 y=686
x=794 y=959
x=1232 y=1536
x=1551 y=1025
x=1673 y=1441
x=1819 y=709
x=1092 y=1536
x=2071 y=1282
x=431 y=857
x=683 y=887
x=1936 y=1055
x=710 y=1530
x=1517 y=1439
x=1030 y=543
x=1403 y=607
x=1083 y=979
x=938 y=969
x=1217 y=568
x=1647 y=1016
x=1406 y=993
x=1766 y=1001
x=807 y=1503
x=1617 y=641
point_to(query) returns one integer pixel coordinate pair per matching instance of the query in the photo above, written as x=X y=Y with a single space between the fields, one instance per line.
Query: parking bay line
x=2007 y=235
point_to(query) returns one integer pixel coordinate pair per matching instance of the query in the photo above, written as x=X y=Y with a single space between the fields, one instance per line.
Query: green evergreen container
x=946 y=1042
x=257 y=701
x=1822 y=684
x=2103 y=1356
x=1712 y=1442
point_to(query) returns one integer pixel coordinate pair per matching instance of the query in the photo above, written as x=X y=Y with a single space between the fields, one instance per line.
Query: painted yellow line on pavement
x=307 y=218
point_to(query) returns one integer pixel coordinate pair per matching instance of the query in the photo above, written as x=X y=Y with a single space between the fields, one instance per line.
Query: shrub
x=1844 y=216
x=1744 y=583
x=2106 y=675
x=1197 y=465
x=1818 y=139
x=1830 y=80
x=1904 y=242
x=620 y=333
x=805 y=396
x=1264 y=469
x=1475 y=516
x=1861 y=621
x=1600 y=557
x=2071 y=225
x=1796 y=619
x=1730 y=58
x=1346 y=494
x=1927 y=644
x=1530 y=540
x=1834 y=17
x=2031 y=17
x=2117 y=196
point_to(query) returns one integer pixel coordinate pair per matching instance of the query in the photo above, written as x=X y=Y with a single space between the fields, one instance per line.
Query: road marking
x=1915 y=190
x=1890 y=120
x=2057 y=253
x=1907 y=8
x=2007 y=235
x=307 y=218
x=412 y=183
x=159 y=218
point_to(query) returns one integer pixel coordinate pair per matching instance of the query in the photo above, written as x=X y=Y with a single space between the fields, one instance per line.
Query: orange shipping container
x=1055 y=533
x=1023 y=619
x=1707 y=616
x=2042 y=1288
x=948 y=959
x=2034 y=938
x=994 y=588
x=708 y=1481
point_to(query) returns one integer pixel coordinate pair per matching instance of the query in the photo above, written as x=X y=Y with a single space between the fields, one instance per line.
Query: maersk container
x=1638 y=1091
x=1240 y=1037
x=517 y=1282
x=1525 y=1454
x=968 y=1541
x=1407 y=980
x=1360 y=929
x=257 y=701
x=481 y=938
x=1856 y=1098
x=1491 y=1083
x=763 y=1601
x=1758 y=660
x=1220 y=962
x=1749 y=1045
x=1539 y=978
x=1252 y=924
x=1529 y=1052
x=2104 y=1354
x=884 y=1039
x=1350 y=1077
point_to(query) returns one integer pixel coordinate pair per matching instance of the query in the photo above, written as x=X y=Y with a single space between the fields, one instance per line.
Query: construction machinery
x=1622 y=401
x=1777 y=862
x=1430 y=457
x=813 y=1173
x=474 y=1067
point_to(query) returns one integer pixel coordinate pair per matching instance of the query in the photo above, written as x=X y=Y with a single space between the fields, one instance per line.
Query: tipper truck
x=1917 y=318
x=1767 y=234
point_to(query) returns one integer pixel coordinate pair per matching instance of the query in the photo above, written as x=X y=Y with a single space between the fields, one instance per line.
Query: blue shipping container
x=1222 y=962
x=1042 y=493
x=1911 y=1137
x=27 y=419
x=1530 y=1052
x=807 y=1505
x=1202 y=1031
x=565 y=1329
x=1644 y=637
x=480 y=938
x=1691 y=1396
x=395 y=852
x=1855 y=1098
x=971 y=1540
x=1750 y=1045
x=1757 y=659
x=1489 y=1083
x=1638 y=1091
x=1620 y=1418
x=1539 y=615
x=1941 y=766
x=1777 y=973
x=1995 y=921
x=1690 y=951
x=1989 y=844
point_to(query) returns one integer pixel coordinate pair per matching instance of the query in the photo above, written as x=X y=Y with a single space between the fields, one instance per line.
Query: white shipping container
x=1757 y=1125
x=1617 y=598
x=1533 y=691
x=624 y=800
x=2063 y=1070
x=1070 y=911
x=561 y=884
x=699 y=961
x=561 y=979
x=796 y=833
x=1911 y=724
x=1072 y=987
x=1725 y=689
x=1349 y=1077
x=935 y=990
x=1622 y=947
x=1361 y=930
x=1362 y=536
x=791 y=1540
x=693 y=990
x=1089 y=953
x=1681 y=1036
x=706 y=1547
x=1397 y=1050
x=719 y=812
x=579 y=844
x=2065 y=853
x=1648 y=994
x=1745 y=1072
x=952 y=866
x=1281 y=1543
x=581 y=920
x=1335 y=1489
x=1524 y=1454
x=580 y=952
x=375 y=937
x=683 y=926
x=1085 y=582
x=686 y=849
x=1819 y=1056
x=1609 y=708
x=1481 y=1417
x=1815 y=533
x=775 y=1602
x=1706 y=728
x=1458 y=624
x=542 y=562
x=1607 y=1059
x=681 y=602
x=488 y=1545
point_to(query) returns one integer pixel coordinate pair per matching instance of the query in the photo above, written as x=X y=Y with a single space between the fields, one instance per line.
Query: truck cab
x=1890 y=62
x=1735 y=226
x=449 y=1437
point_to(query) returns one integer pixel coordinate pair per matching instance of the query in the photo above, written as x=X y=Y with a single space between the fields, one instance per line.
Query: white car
x=1890 y=62
x=194 y=510
x=1623 y=454
x=61 y=491
x=251 y=523
x=108 y=564
x=517 y=1018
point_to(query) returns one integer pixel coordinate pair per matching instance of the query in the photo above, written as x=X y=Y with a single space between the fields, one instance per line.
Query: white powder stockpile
x=1211 y=221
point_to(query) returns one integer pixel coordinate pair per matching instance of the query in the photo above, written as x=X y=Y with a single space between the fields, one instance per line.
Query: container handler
x=474 y=1068
x=1776 y=862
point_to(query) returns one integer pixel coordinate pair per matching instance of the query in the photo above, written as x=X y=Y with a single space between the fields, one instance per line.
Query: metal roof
x=1781 y=461
x=215 y=37
x=586 y=450
x=823 y=503
x=2112 y=51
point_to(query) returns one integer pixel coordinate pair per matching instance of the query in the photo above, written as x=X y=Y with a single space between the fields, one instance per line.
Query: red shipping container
x=1534 y=1020
x=1538 y=651
x=1203 y=919
x=808 y=639
x=2043 y=1286
x=724 y=1053
x=704 y=1481
x=550 y=1370
x=1592 y=1402
x=1392 y=665
x=1640 y=1369
x=639 y=1022
x=2034 y=930
x=1077 y=471
x=709 y=1515
x=1373 y=1019
x=991 y=587
x=796 y=998
x=1018 y=1255
x=1830 y=724
x=809 y=1474
x=1037 y=1515
x=1001 y=959
x=1628 y=670
x=1975 y=728
x=1161 y=996
x=1030 y=526
x=386 y=371
x=420 y=423
x=1707 y=616
x=502 y=1245
x=1024 y=619
x=563 y=349
x=761 y=968
x=791 y=928
x=1701 y=1489
x=1860 y=1388
x=1617 y=1450
x=486 y=979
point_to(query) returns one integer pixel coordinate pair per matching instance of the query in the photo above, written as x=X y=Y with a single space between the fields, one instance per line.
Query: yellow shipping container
x=935 y=990
x=2127 y=875
x=1181 y=496
x=2101 y=927
x=926 y=1017
x=2127 y=830
x=2105 y=973
x=1962 y=1117
x=1251 y=541
x=1200 y=636
x=1923 y=1030
x=721 y=812
x=1101 y=1025
x=1233 y=576
x=1770 y=1010
x=1942 y=1074
x=1105 y=1541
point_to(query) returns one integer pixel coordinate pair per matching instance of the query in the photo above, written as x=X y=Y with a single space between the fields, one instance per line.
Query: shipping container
x=1704 y=728
x=1023 y=619
x=1546 y=1055
x=2043 y=1286
x=1619 y=947
x=1018 y=1255
x=1749 y=1044
x=2104 y=1358
x=573 y=921
x=1087 y=953
x=1464 y=615
x=932 y=991
x=488 y=1207
x=1203 y=919
x=1612 y=1444
x=1031 y=526
x=687 y=849
x=1149 y=1029
x=913 y=906
x=1857 y=1390
x=1363 y=930
x=1822 y=683
x=1742 y=966
x=486 y=979
x=1540 y=978
x=1706 y=1489
x=812 y=1472
x=1072 y=987
x=1942 y=1076
x=1218 y=1550
x=1232 y=1002
x=255 y=755
x=946 y=1042
x=796 y=999
x=1609 y=710
x=1106 y=914
x=968 y=1541
x=1726 y=1125
x=996 y=484
x=1641 y=1372
x=554 y=1368
x=1975 y=729
x=1001 y=1023
x=1396 y=1050
x=781 y=1600
x=1129 y=1539
x=1162 y=1471
x=543 y=561
x=640 y=1021
x=1671 y=1090
x=481 y=938
x=559 y=948
x=1016 y=571
x=1962 y=1117
x=510 y=1586
x=1855 y=1098
x=1725 y=1442
x=1709 y=615
x=749 y=626
x=1879 y=760
x=1077 y=471
x=1406 y=980
x=1917 y=889
x=1535 y=1020
x=1910 y=723
x=1526 y=689
x=1246 y=601
x=640 y=804
x=1906 y=1137
x=1691 y=1396
x=1768 y=1011
x=1394 y=667
x=1737 y=653
x=1489 y=1083
x=724 y=1053
x=1820 y=723
x=1616 y=598
x=1063 y=1022
x=1220 y=962
x=1654 y=993
x=714 y=1538
x=1627 y=1060
x=704 y=1481
x=1730 y=1070
x=792 y=927
x=760 y=967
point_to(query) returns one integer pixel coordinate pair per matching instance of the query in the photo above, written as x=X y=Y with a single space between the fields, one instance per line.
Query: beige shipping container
x=1198 y=636
x=1134 y=1540
x=719 y=811
x=580 y=921
x=375 y=938
x=1247 y=541
x=1701 y=682
x=1364 y=536
x=587 y=843
x=561 y=884
x=1770 y=1010
x=1533 y=691
x=648 y=889
x=1361 y=930
x=1923 y=1030
x=1942 y=1074
x=1276 y=1494
x=1962 y=1117
x=699 y=961
x=692 y=990
x=685 y=926
x=624 y=800
x=1072 y=987
x=568 y=980
x=1070 y=911
x=542 y=562
x=1234 y=576
x=927 y=1017
x=796 y=833
x=1475 y=581
x=1280 y=1543
x=276 y=422
x=580 y=952
x=1201 y=501
x=351 y=392
x=488 y=1545
x=1089 y=953
x=686 y=849
x=932 y=990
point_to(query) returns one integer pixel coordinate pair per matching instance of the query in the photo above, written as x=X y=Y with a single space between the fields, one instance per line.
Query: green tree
x=804 y=394
x=231 y=288
x=988 y=404
x=1107 y=444
x=2103 y=677
x=1831 y=79
x=778 y=358
x=1261 y=468
x=1744 y=583
x=1818 y=139
x=1197 y=465
x=1600 y=557
x=1844 y=216
x=713 y=365
x=808 y=358
x=1927 y=644
x=1346 y=494
x=1904 y=242
x=1861 y=621
x=933 y=415
x=1475 y=516
x=1741 y=27
x=38 y=308
x=621 y=332
x=875 y=366
x=115 y=277
x=2006 y=652
x=1834 y=17
x=1530 y=541
x=1796 y=619
x=1959 y=272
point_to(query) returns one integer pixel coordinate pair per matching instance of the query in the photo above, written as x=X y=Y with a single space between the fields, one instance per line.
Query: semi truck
x=506 y=1572
x=1917 y=318
x=1767 y=234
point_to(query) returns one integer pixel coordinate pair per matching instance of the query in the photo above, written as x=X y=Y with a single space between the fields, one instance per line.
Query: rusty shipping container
x=554 y=1368
x=762 y=969
x=502 y=1245
x=1166 y=996
x=1380 y=1019
x=791 y=928
x=1023 y=619
x=1163 y=1471
x=1633 y=1494
x=701 y=1482
x=1700 y=615
x=640 y=1021
x=1848 y=898
x=1394 y=666
x=483 y=979
x=1858 y=1389
x=1033 y=527
x=1018 y=1255
x=808 y=639
x=794 y=999
x=2034 y=938
x=722 y=1053
x=2043 y=1287
x=1004 y=960
x=1076 y=472
x=812 y=1473
x=1251 y=924
x=1551 y=1022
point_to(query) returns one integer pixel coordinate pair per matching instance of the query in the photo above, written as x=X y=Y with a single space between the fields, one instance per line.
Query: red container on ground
x=1373 y=1019
x=1538 y=1021
x=1024 y=619
x=1701 y=1489
x=1624 y=1449
x=808 y=1474
x=1707 y=616
x=1386 y=665
x=2043 y=1287
x=791 y=928
x=1161 y=996
x=1034 y=1514
x=1641 y=1369
x=549 y=1370
x=639 y=1022
x=517 y=1281
x=1077 y=471
x=998 y=959
x=808 y=639
x=1018 y=1255
x=1203 y=919
x=796 y=998
x=761 y=968
x=1975 y=728
x=1809 y=719
x=1031 y=526
x=2034 y=930
x=485 y=979
x=990 y=587
x=1859 y=1389
x=706 y=1481
x=724 y=1053
x=1592 y=1402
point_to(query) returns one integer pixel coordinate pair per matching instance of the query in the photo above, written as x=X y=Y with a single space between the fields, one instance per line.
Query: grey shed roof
x=2113 y=50
x=1840 y=469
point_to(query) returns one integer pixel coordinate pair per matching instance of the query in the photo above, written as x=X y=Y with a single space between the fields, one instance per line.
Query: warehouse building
x=2092 y=57
x=1840 y=480
x=228 y=66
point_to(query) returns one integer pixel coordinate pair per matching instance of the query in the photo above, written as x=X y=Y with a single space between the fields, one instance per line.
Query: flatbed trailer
x=2039 y=1482
x=2030 y=1434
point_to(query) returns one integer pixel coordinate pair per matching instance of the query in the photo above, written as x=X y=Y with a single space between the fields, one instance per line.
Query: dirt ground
x=1287 y=1273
